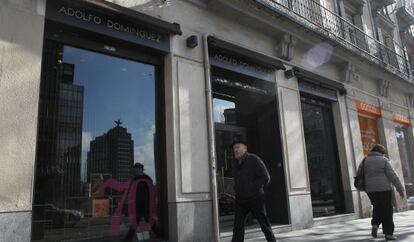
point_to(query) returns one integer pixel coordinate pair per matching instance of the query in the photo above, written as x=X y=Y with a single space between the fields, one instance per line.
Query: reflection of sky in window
x=219 y=105
x=116 y=88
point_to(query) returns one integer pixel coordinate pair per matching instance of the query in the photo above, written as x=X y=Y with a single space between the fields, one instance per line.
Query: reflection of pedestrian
x=379 y=178
x=142 y=205
x=250 y=175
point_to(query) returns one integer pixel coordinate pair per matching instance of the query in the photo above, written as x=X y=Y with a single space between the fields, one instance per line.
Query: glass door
x=246 y=108
x=323 y=162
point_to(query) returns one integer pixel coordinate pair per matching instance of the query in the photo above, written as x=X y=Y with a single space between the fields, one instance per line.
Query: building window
x=353 y=28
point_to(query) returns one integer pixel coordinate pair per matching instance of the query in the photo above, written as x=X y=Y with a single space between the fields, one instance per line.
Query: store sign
x=103 y=21
x=368 y=108
x=241 y=65
x=239 y=85
x=318 y=90
x=398 y=118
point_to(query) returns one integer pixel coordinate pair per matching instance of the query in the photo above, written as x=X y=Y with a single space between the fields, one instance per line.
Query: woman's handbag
x=359 y=180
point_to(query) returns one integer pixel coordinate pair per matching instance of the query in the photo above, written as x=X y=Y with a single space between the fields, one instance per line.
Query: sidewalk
x=357 y=230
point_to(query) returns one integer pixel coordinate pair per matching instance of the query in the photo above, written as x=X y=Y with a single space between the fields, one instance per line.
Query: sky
x=116 y=88
x=219 y=105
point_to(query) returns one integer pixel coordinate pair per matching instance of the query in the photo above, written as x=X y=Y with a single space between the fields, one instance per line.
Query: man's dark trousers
x=382 y=212
x=257 y=207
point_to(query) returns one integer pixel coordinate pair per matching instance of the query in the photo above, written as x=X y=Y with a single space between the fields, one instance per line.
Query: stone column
x=362 y=205
x=21 y=39
x=294 y=152
x=188 y=172
x=344 y=134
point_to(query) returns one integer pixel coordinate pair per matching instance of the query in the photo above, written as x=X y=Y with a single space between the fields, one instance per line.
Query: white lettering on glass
x=111 y=24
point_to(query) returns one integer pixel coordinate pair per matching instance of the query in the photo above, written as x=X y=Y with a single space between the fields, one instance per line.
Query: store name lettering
x=368 y=108
x=401 y=119
x=239 y=63
x=110 y=24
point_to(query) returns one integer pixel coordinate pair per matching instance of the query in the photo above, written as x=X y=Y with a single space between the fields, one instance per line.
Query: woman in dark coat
x=380 y=178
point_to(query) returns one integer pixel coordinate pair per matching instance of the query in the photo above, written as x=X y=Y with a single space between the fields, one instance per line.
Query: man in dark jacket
x=250 y=175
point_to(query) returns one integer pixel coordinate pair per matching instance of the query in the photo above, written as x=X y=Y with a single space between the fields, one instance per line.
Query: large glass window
x=369 y=132
x=97 y=168
x=406 y=158
x=323 y=162
x=246 y=108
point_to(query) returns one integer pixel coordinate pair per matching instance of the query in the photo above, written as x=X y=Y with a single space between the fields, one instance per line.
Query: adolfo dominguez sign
x=104 y=21
x=241 y=65
x=110 y=24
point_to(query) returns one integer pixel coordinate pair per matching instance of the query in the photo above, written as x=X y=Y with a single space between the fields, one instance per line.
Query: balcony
x=405 y=15
x=378 y=4
x=322 y=21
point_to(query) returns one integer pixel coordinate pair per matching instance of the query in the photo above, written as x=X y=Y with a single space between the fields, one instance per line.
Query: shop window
x=368 y=124
x=407 y=164
x=97 y=165
x=369 y=132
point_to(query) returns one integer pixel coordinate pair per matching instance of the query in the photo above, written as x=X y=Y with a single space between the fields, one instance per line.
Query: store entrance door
x=248 y=110
x=323 y=162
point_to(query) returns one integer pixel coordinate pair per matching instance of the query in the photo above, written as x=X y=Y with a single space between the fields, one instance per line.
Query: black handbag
x=359 y=180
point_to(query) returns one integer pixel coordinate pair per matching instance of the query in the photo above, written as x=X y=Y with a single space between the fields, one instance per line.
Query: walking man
x=250 y=176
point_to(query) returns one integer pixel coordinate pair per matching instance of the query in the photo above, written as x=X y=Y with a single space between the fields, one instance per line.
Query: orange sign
x=100 y=208
x=368 y=108
x=398 y=118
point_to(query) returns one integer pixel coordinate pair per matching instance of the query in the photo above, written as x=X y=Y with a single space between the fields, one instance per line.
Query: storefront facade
x=117 y=116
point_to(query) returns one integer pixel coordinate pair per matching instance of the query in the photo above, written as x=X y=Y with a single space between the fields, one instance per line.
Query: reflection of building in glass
x=69 y=136
x=112 y=153
x=60 y=142
x=230 y=116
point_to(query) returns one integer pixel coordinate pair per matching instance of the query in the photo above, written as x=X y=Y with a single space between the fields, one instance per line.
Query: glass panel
x=323 y=162
x=247 y=109
x=96 y=170
x=369 y=133
x=224 y=111
x=406 y=159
